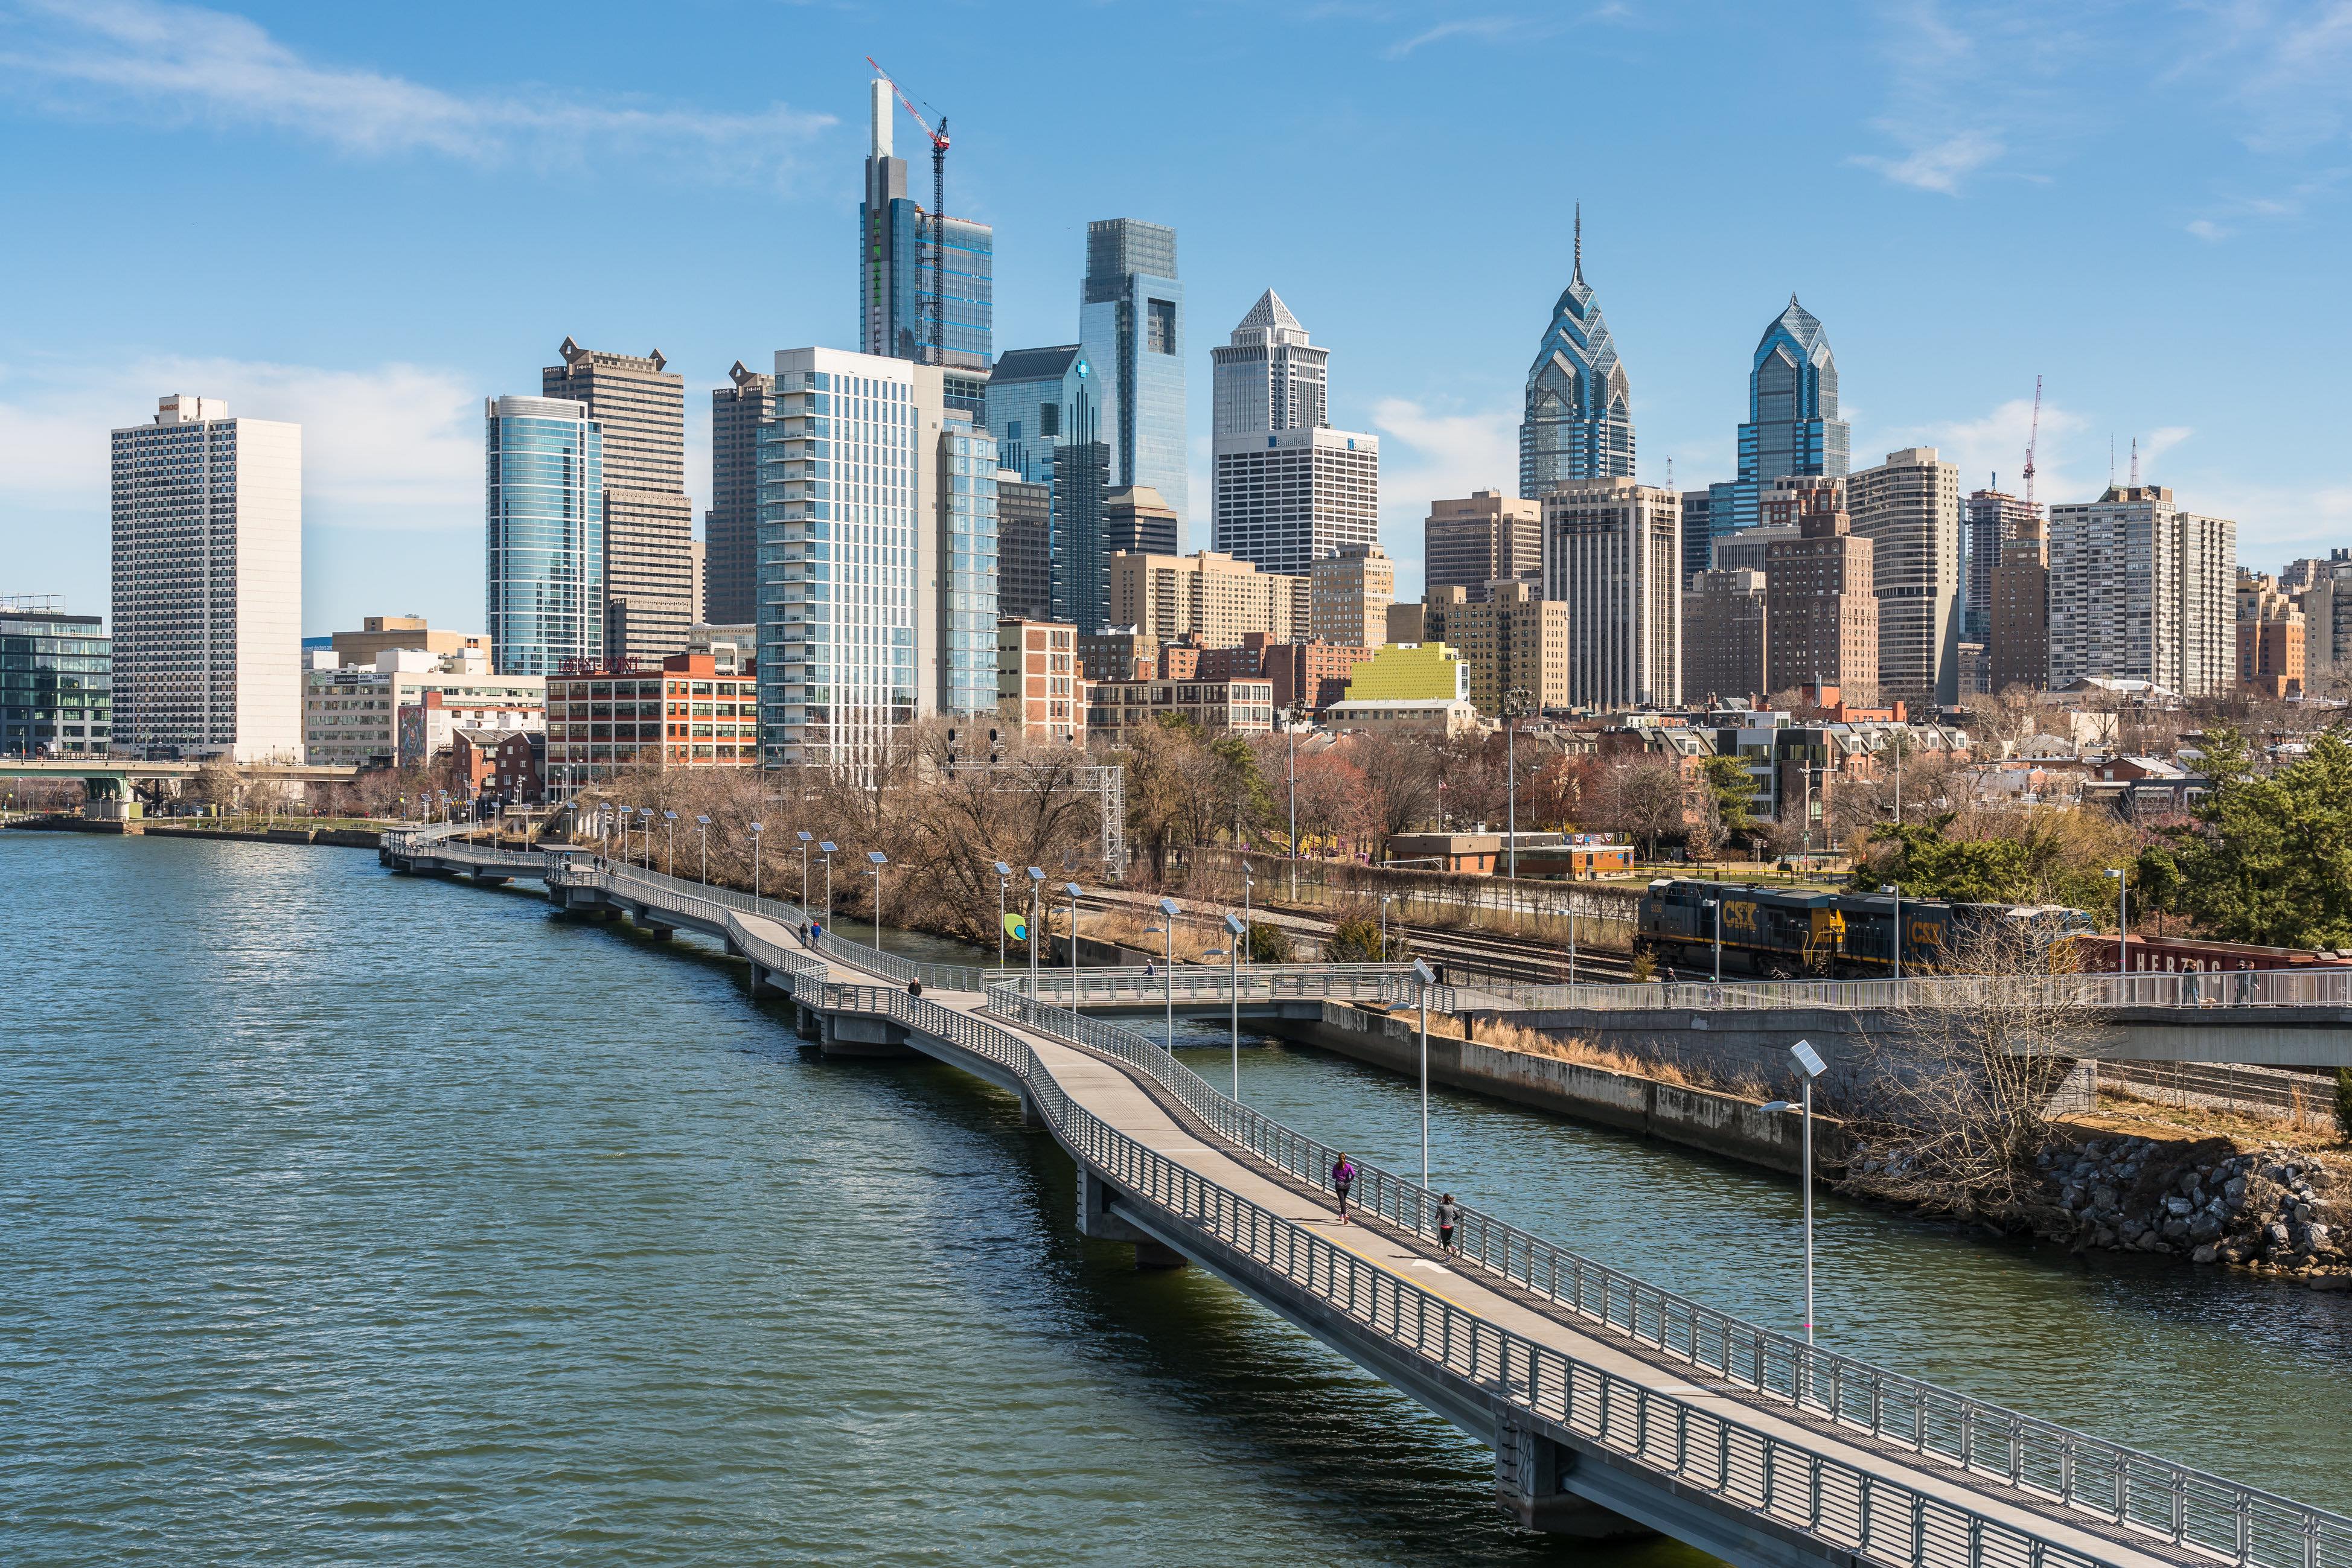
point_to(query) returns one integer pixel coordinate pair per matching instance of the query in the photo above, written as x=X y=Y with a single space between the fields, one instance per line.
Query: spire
x=1579 y=241
x=2135 y=472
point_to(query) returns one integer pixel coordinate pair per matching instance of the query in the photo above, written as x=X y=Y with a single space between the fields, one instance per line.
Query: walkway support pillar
x=1098 y=1216
x=1530 y=1469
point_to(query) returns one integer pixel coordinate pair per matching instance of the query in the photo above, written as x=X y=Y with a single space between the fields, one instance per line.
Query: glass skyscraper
x=1579 y=422
x=966 y=546
x=1045 y=407
x=900 y=314
x=1131 y=327
x=56 y=681
x=1793 y=424
x=544 y=545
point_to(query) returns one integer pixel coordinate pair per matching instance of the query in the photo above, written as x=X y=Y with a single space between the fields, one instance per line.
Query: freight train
x=1786 y=933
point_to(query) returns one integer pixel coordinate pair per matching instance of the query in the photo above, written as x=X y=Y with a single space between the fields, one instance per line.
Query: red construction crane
x=2032 y=439
x=939 y=209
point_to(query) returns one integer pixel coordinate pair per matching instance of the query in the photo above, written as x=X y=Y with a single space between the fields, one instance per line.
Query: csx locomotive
x=1781 y=932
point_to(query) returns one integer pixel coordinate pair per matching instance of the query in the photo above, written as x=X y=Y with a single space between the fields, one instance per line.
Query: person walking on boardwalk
x=914 y=987
x=1449 y=1215
x=1343 y=1176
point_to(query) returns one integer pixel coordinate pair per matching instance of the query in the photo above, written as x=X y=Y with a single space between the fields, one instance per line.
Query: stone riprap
x=2276 y=1210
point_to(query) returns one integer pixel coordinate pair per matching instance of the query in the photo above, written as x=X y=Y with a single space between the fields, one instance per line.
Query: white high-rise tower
x=1289 y=490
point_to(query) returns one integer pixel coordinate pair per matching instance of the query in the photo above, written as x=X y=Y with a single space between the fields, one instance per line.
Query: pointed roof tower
x=1579 y=416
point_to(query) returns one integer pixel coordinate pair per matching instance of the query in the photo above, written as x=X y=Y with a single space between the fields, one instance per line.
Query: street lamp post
x=1385 y=899
x=805 y=838
x=2123 y=920
x=1072 y=889
x=669 y=852
x=1168 y=909
x=1809 y=1066
x=1238 y=929
x=1036 y=915
x=1290 y=731
x=1898 y=930
x=1248 y=883
x=703 y=831
x=1421 y=977
x=875 y=860
x=1515 y=702
x=1716 y=905
x=826 y=849
x=1004 y=879
x=756 y=829
x=645 y=820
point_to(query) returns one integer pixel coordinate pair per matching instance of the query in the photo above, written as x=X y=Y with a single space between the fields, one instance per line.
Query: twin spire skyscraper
x=1579 y=422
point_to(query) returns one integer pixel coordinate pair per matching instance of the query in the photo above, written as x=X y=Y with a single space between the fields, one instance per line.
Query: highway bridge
x=1612 y=1407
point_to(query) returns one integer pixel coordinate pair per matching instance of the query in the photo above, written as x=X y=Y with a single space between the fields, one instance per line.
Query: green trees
x=2272 y=863
x=2044 y=855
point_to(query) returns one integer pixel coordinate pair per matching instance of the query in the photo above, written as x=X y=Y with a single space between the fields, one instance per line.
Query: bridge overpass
x=1613 y=1407
x=110 y=778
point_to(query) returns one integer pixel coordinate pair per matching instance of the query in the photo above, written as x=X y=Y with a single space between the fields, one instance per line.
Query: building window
x=1159 y=327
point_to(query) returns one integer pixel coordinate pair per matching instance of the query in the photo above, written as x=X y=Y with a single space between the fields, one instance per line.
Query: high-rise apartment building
x=1045 y=408
x=57 y=680
x=207 y=561
x=1821 y=605
x=730 y=526
x=1488 y=538
x=1726 y=636
x=1612 y=553
x=1579 y=420
x=1209 y=595
x=1993 y=518
x=1136 y=519
x=1512 y=639
x=543 y=539
x=2323 y=592
x=649 y=604
x=2270 y=638
x=926 y=282
x=963 y=550
x=2017 y=637
x=1699 y=533
x=1908 y=507
x=1349 y=594
x=1025 y=547
x=1793 y=424
x=1269 y=375
x=2142 y=590
x=1131 y=325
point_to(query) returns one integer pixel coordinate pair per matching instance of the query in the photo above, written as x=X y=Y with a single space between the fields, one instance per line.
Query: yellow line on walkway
x=1398 y=1276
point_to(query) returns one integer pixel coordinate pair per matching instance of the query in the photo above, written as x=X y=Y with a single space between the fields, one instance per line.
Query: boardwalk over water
x=1611 y=1406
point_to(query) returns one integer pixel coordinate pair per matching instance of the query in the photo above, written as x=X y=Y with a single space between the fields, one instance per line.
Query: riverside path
x=1612 y=1407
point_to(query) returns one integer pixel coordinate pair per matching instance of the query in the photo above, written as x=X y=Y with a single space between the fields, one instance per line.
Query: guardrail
x=1257 y=982
x=2188 y=989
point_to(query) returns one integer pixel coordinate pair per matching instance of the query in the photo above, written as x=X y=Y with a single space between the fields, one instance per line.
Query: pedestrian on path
x=1449 y=1215
x=914 y=987
x=1343 y=1176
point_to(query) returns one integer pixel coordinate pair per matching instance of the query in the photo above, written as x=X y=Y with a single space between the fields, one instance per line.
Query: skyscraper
x=731 y=528
x=1612 y=553
x=207 y=536
x=1908 y=507
x=1472 y=544
x=1793 y=424
x=1288 y=489
x=1994 y=516
x=1725 y=636
x=1131 y=327
x=1579 y=422
x=640 y=408
x=1045 y=408
x=1821 y=605
x=877 y=557
x=1025 y=547
x=2143 y=590
x=1349 y=595
x=544 y=540
x=2017 y=644
x=902 y=313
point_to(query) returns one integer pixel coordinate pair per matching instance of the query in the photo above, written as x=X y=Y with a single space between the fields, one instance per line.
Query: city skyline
x=1435 y=339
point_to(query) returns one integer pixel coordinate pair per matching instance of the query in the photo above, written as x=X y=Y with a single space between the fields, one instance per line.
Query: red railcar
x=2178 y=955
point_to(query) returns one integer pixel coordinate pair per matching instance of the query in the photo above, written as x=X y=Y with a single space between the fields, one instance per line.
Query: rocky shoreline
x=2278 y=1211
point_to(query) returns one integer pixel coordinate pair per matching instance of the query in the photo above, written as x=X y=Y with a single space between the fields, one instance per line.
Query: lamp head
x=1003 y=869
x=828 y=847
x=1233 y=924
x=876 y=857
x=806 y=838
x=1072 y=888
x=1170 y=908
x=1036 y=876
x=1809 y=1060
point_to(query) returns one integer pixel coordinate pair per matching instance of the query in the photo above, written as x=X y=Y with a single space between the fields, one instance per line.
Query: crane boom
x=938 y=210
x=939 y=137
x=2032 y=439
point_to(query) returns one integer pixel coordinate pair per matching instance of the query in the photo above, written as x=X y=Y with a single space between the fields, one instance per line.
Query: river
x=358 y=1216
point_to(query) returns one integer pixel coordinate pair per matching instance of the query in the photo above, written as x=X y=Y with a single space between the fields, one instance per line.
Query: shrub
x=1358 y=941
x=1268 y=944
x=2344 y=1103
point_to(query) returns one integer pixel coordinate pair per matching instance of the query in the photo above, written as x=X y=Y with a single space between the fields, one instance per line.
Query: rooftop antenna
x=2033 y=440
x=1670 y=473
x=2135 y=479
x=2111 y=460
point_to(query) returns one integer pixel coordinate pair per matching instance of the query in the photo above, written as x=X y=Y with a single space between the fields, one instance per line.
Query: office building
x=1040 y=692
x=1209 y=595
x=352 y=715
x=207 y=564
x=648 y=523
x=382 y=633
x=1131 y=327
x=2017 y=639
x=1993 y=519
x=2271 y=639
x=1726 y=637
x=1119 y=653
x=926 y=287
x=543 y=548
x=2142 y=590
x=1044 y=406
x=1908 y=507
x=1025 y=547
x=1792 y=425
x=1751 y=550
x=1820 y=604
x=730 y=526
x=734 y=650
x=1349 y=595
x=878 y=564
x=1613 y=554
x=1488 y=538
x=1976 y=670
x=1578 y=421
x=1114 y=709
x=1137 y=520
x=682 y=713
x=57 y=680
x=1512 y=639
x=1268 y=375
x=1699 y=533
x=1287 y=488
x=1308 y=677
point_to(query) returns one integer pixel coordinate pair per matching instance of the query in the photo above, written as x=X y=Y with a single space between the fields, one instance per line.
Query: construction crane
x=938 y=210
x=2033 y=440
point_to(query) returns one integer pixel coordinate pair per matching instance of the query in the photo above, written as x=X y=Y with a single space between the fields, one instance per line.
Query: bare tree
x=1954 y=1110
x=1644 y=798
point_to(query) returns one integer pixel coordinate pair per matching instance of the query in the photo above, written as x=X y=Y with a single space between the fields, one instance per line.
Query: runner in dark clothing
x=1343 y=1176
x=1449 y=1215
x=914 y=987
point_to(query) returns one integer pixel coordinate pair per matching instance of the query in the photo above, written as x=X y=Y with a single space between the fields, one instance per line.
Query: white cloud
x=1939 y=166
x=2207 y=230
x=1995 y=445
x=393 y=446
x=185 y=64
x=1427 y=455
x=1486 y=28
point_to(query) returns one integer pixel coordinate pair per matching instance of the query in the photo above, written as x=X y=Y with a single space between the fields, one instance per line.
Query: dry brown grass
x=2121 y=1112
x=1133 y=930
x=1503 y=1035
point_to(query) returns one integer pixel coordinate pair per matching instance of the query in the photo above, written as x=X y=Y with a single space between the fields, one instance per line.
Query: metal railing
x=1854 y=1508
x=1258 y=982
x=2188 y=990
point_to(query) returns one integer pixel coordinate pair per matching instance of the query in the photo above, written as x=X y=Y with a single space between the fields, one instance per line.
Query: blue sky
x=366 y=218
